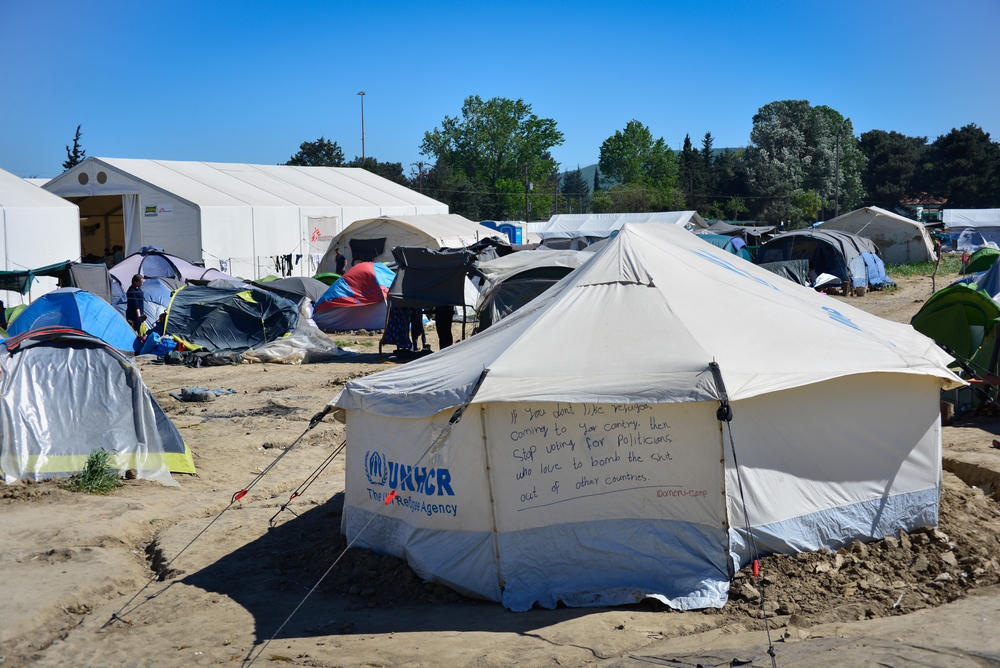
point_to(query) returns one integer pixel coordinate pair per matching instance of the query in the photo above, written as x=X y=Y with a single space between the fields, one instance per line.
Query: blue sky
x=249 y=81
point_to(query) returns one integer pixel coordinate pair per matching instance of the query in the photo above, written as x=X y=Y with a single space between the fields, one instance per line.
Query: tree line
x=802 y=163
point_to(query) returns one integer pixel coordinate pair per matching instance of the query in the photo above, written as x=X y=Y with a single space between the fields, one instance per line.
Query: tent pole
x=463 y=321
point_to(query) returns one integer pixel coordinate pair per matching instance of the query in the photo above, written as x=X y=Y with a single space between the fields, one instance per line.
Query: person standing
x=443 y=316
x=135 y=304
x=341 y=261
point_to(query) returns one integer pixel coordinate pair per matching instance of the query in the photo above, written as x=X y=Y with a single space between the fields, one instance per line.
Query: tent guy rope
x=725 y=414
x=442 y=437
x=315 y=420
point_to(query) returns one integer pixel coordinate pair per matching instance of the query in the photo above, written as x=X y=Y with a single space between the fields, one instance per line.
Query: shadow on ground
x=272 y=575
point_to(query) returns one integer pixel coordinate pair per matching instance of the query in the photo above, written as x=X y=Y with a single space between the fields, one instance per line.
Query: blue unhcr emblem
x=375 y=468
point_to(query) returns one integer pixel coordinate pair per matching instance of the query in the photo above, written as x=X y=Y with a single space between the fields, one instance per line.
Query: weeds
x=98 y=477
x=949 y=265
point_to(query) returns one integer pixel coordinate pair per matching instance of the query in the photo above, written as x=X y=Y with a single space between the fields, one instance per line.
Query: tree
x=77 y=155
x=894 y=166
x=735 y=206
x=319 y=153
x=496 y=143
x=690 y=165
x=966 y=168
x=796 y=148
x=632 y=156
x=392 y=171
x=463 y=196
x=597 y=179
x=575 y=187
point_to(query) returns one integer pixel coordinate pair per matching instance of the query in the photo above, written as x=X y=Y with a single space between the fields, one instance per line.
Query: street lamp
x=362 y=94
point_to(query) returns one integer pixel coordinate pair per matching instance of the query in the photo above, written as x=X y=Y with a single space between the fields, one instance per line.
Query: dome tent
x=842 y=254
x=372 y=239
x=156 y=298
x=78 y=309
x=228 y=318
x=606 y=482
x=64 y=394
x=357 y=300
x=152 y=262
x=900 y=240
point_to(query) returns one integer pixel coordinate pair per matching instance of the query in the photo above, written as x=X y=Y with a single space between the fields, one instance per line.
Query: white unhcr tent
x=245 y=220
x=445 y=230
x=590 y=466
x=900 y=240
x=602 y=225
x=39 y=229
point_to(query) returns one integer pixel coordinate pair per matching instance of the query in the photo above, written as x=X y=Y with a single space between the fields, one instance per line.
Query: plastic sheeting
x=58 y=403
x=305 y=345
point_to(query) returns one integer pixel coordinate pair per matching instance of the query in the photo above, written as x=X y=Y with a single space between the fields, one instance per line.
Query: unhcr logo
x=375 y=468
x=420 y=479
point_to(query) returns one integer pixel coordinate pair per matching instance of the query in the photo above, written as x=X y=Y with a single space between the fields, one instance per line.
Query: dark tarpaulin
x=229 y=318
x=366 y=250
x=20 y=281
x=796 y=271
x=295 y=288
x=427 y=278
x=94 y=278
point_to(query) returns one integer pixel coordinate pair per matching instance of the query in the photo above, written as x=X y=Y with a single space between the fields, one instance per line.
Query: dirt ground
x=69 y=562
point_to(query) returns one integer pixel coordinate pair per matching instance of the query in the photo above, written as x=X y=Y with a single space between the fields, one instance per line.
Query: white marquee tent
x=238 y=218
x=39 y=229
x=603 y=225
x=446 y=230
x=900 y=240
x=591 y=467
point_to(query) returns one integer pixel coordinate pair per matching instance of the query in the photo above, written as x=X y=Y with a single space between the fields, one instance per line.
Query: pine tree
x=597 y=180
x=77 y=155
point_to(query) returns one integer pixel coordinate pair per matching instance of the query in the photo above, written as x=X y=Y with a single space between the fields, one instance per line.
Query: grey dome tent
x=842 y=254
x=63 y=394
x=229 y=318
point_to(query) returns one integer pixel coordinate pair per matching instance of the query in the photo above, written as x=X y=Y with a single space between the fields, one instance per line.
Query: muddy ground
x=70 y=562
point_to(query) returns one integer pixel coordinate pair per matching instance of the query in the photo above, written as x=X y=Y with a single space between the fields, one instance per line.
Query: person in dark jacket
x=135 y=304
x=341 y=261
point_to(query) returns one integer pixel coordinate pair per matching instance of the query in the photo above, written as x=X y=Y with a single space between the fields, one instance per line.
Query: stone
x=859 y=548
x=949 y=558
x=920 y=564
x=904 y=540
x=788 y=608
x=890 y=543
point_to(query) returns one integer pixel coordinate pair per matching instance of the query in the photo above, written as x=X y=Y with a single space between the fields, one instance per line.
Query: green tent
x=981 y=260
x=327 y=277
x=962 y=317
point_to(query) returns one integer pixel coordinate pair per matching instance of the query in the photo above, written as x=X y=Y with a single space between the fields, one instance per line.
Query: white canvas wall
x=36 y=229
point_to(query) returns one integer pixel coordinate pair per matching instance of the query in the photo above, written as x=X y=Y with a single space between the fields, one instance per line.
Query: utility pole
x=557 y=193
x=836 y=198
x=362 y=94
x=527 y=187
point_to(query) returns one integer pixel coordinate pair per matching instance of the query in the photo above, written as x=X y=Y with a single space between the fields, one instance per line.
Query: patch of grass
x=343 y=344
x=949 y=265
x=368 y=344
x=98 y=477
